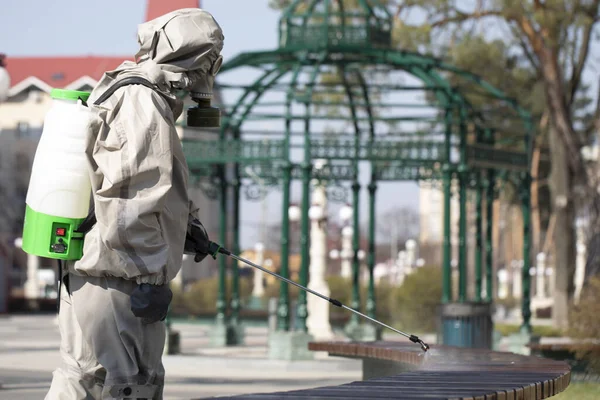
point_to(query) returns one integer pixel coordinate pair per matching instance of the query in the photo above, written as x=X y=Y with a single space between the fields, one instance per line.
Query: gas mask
x=185 y=46
x=200 y=86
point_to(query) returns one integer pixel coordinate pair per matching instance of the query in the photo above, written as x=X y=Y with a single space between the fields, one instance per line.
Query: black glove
x=197 y=241
x=151 y=302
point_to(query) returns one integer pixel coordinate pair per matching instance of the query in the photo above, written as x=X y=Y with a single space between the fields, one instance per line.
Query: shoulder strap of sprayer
x=90 y=220
x=134 y=80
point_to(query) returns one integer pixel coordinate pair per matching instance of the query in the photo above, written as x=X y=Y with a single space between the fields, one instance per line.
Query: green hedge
x=201 y=297
x=411 y=306
x=584 y=324
x=537 y=330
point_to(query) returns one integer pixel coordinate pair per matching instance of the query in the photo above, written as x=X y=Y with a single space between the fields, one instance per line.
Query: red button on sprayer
x=60 y=231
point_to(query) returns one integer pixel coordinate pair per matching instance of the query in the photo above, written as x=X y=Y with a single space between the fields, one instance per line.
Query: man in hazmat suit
x=115 y=298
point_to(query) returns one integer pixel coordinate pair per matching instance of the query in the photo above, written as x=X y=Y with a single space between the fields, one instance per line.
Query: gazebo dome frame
x=477 y=146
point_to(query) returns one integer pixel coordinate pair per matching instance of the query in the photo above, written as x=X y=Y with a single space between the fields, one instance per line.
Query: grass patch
x=580 y=391
x=542 y=330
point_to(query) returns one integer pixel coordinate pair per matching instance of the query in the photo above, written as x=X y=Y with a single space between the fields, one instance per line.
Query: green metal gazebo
x=337 y=90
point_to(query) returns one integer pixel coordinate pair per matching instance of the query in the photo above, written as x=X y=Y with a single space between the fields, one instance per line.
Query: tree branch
x=583 y=55
x=537 y=4
x=595 y=121
x=462 y=17
x=526 y=49
x=535 y=40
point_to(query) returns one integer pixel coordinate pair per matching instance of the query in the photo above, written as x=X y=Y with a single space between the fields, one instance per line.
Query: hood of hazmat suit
x=138 y=171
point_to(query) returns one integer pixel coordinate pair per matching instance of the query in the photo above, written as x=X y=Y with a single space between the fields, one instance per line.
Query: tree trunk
x=568 y=172
x=560 y=116
x=564 y=230
x=536 y=225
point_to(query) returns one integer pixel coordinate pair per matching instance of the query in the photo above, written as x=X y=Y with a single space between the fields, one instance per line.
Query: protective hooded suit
x=139 y=181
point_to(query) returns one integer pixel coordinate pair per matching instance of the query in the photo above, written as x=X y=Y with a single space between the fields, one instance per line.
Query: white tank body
x=59 y=184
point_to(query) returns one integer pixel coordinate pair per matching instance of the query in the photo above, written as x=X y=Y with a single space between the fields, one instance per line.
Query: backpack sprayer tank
x=58 y=197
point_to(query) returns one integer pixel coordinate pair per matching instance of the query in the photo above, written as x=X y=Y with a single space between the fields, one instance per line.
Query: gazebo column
x=525 y=195
x=447 y=255
x=489 y=232
x=283 y=322
x=447 y=187
x=463 y=176
x=219 y=336
x=280 y=339
x=236 y=330
x=371 y=331
x=478 y=237
x=354 y=328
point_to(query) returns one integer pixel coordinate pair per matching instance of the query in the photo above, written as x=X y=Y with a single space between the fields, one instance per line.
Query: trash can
x=467 y=324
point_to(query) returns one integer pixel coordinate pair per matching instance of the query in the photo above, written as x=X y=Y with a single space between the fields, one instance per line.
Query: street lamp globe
x=316 y=212
x=319 y=163
x=361 y=254
x=334 y=254
x=346 y=213
x=503 y=275
x=294 y=213
x=259 y=247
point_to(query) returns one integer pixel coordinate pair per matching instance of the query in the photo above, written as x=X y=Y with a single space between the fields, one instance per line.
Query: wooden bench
x=394 y=370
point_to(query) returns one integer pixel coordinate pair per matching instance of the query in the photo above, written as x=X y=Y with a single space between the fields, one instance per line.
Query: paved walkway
x=29 y=352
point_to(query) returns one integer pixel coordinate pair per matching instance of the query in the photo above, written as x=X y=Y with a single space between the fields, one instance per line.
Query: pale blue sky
x=108 y=27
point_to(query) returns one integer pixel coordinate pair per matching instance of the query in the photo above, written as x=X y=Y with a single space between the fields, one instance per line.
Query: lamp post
x=264 y=205
x=346 y=214
x=517 y=278
x=581 y=258
x=412 y=254
x=401 y=267
x=540 y=289
x=317 y=321
x=258 y=287
x=294 y=213
x=502 y=283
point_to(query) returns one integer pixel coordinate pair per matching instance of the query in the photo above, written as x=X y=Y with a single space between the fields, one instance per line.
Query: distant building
x=431 y=222
x=21 y=122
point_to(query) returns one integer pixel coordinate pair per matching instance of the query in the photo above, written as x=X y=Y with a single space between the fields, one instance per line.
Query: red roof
x=156 y=8
x=59 y=71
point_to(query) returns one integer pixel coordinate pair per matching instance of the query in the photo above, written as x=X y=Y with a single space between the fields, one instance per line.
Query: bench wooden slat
x=444 y=373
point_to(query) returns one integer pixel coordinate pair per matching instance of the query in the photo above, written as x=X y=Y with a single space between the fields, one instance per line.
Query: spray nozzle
x=415 y=339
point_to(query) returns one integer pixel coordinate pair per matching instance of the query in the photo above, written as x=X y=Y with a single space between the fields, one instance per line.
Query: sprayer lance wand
x=217 y=249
